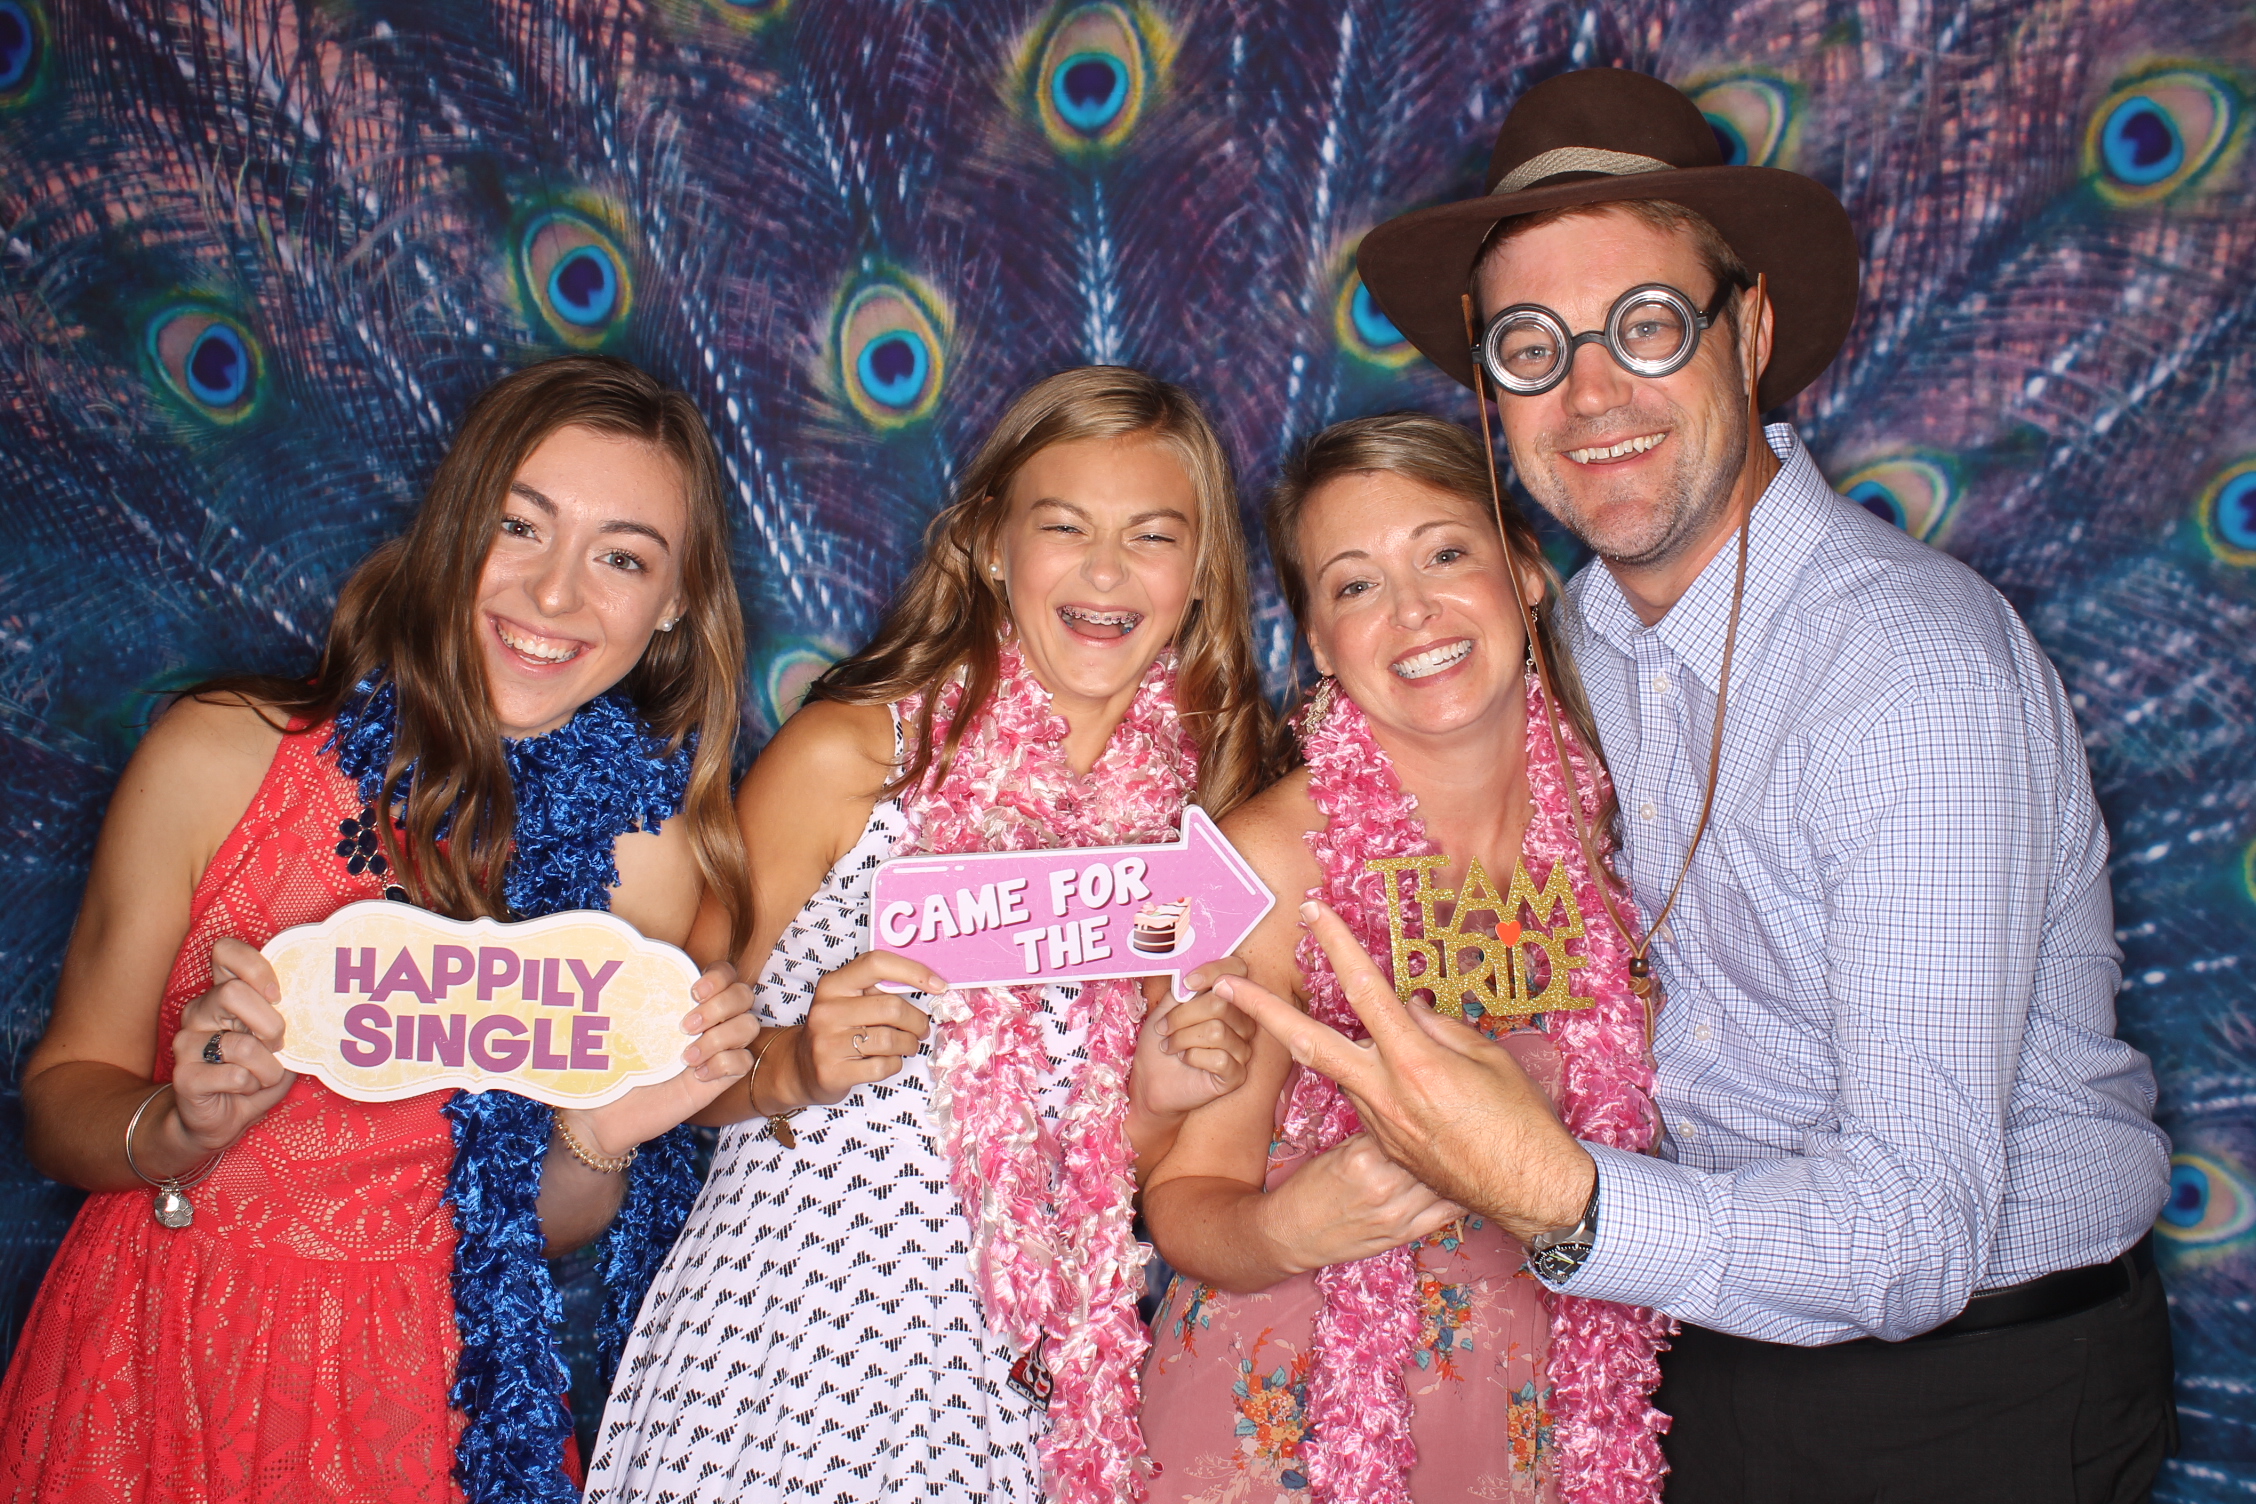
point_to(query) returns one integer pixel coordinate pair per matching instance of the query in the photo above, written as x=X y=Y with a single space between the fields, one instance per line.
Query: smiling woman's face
x=1411 y=603
x=1096 y=555
x=584 y=567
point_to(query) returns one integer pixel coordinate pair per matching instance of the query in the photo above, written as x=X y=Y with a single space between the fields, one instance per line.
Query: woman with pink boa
x=912 y=1272
x=1339 y=1332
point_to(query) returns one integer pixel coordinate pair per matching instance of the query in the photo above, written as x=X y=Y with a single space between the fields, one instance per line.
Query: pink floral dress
x=1226 y=1386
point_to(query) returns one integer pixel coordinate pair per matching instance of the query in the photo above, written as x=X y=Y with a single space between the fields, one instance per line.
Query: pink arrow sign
x=1018 y=918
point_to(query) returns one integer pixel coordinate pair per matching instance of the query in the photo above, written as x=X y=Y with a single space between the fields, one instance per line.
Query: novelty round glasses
x=1651 y=330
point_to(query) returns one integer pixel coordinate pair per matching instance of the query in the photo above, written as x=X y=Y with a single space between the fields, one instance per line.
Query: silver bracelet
x=173 y=1208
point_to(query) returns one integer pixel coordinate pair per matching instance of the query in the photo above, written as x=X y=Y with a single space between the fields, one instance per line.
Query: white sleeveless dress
x=815 y=1335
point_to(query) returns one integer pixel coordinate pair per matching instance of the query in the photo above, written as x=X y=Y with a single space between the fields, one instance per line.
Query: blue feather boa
x=578 y=788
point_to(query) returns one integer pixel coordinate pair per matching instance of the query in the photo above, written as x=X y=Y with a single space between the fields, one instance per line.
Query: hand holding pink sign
x=1013 y=918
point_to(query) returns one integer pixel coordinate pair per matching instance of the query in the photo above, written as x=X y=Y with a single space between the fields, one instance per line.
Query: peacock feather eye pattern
x=890 y=344
x=1916 y=492
x=791 y=668
x=23 y=51
x=750 y=15
x=1091 y=72
x=2209 y=1203
x=2157 y=134
x=575 y=275
x=1363 y=329
x=1753 y=117
x=208 y=360
x=2227 y=513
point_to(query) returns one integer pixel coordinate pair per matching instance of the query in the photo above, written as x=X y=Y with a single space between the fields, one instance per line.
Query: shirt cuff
x=1654 y=1235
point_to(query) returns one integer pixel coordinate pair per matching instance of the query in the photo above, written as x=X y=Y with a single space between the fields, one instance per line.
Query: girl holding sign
x=525 y=705
x=1336 y=1324
x=912 y=1271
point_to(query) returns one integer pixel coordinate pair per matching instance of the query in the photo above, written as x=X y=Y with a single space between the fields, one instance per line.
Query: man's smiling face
x=1640 y=468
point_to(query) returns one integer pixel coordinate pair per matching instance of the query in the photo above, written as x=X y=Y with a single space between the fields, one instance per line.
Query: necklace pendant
x=174 y=1209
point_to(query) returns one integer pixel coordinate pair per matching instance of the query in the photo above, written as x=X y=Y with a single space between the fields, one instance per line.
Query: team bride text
x=1471 y=973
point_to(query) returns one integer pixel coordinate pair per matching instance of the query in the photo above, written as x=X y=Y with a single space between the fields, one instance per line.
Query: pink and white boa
x=1602 y=1365
x=1052 y=1242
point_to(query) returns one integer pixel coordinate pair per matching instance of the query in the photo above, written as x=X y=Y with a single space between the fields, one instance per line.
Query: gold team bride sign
x=1472 y=973
x=385 y=1000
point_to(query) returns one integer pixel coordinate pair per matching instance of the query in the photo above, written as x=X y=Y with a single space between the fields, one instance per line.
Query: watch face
x=1558 y=1263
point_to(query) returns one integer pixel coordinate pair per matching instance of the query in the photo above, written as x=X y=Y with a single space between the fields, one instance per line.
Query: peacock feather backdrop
x=257 y=255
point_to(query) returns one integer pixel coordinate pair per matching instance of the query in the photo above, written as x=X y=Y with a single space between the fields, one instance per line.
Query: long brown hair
x=950 y=615
x=1443 y=455
x=408 y=614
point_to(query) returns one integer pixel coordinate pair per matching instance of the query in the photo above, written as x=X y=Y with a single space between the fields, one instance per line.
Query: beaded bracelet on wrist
x=602 y=1164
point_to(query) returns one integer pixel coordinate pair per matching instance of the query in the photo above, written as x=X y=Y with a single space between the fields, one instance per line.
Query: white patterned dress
x=815 y=1334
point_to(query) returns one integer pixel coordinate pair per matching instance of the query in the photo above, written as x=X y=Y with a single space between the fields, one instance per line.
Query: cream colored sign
x=385 y=1000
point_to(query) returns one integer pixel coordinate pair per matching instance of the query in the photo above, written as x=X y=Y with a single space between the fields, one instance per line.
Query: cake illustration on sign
x=1159 y=927
x=1077 y=914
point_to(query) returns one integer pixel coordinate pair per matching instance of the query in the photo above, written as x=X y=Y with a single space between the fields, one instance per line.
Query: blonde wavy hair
x=950 y=615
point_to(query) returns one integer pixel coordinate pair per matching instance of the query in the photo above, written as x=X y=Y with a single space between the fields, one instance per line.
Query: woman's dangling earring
x=1319 y=706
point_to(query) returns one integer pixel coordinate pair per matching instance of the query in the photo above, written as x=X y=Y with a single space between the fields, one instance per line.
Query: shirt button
x=1660 y=684
x=1703 y=1032
x=1647 y=812
x=1684 y=1129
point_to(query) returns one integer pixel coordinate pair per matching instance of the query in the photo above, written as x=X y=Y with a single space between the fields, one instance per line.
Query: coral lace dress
x=297 y=1340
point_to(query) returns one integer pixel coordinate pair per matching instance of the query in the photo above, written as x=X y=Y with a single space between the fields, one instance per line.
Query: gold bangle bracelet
x=602 y=1164
x=779 y=1123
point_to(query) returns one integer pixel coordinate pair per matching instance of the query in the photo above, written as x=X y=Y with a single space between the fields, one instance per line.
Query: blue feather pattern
x=256 y=256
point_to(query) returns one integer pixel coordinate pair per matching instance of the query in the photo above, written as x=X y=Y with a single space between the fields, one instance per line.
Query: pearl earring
x=668 y=624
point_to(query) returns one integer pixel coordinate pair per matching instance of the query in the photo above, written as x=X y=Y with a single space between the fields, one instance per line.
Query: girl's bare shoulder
x=830 y=742
x=1270 y=830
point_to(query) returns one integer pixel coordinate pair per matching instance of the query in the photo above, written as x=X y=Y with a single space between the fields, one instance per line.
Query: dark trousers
x=2076 y=1410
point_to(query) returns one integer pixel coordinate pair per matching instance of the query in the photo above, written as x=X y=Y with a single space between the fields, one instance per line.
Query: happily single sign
x=1071 y=914
x=385 y=1000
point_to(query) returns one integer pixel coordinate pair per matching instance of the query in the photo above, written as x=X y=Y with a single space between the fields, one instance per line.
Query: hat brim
x=1418 y=266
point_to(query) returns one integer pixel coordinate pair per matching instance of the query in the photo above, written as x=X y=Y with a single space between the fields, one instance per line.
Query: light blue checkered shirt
x=1888 y=1070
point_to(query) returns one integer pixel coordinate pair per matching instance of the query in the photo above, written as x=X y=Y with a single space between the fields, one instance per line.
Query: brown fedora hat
x=1606 y=135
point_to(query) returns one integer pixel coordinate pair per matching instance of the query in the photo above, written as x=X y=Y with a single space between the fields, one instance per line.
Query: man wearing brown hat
x=1907 y=1170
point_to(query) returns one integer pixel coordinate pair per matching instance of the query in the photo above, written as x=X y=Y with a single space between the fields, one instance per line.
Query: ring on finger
x=212 y=1055
x=861 y=1037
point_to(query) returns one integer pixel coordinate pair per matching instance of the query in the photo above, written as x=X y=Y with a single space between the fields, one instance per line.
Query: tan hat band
x=1578 y=159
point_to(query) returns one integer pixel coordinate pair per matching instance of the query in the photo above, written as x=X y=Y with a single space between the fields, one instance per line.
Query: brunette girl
x=901 y=1252
x=525 y=705
x=1339 y=1331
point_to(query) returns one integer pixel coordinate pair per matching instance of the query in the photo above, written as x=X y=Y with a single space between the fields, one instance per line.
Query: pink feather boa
x=1602 y=1362
x=1053 y=1247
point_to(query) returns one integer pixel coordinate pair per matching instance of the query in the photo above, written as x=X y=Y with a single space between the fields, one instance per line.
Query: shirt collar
x=1793 y=515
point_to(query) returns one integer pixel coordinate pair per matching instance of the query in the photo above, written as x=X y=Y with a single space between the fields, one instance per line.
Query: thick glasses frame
x=1490 y=354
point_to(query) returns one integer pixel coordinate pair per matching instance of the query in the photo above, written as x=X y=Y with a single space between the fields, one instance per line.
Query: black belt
x=2048 y=1296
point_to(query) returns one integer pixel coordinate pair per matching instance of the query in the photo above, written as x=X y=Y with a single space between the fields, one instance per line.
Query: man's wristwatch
x=1556 y=1255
